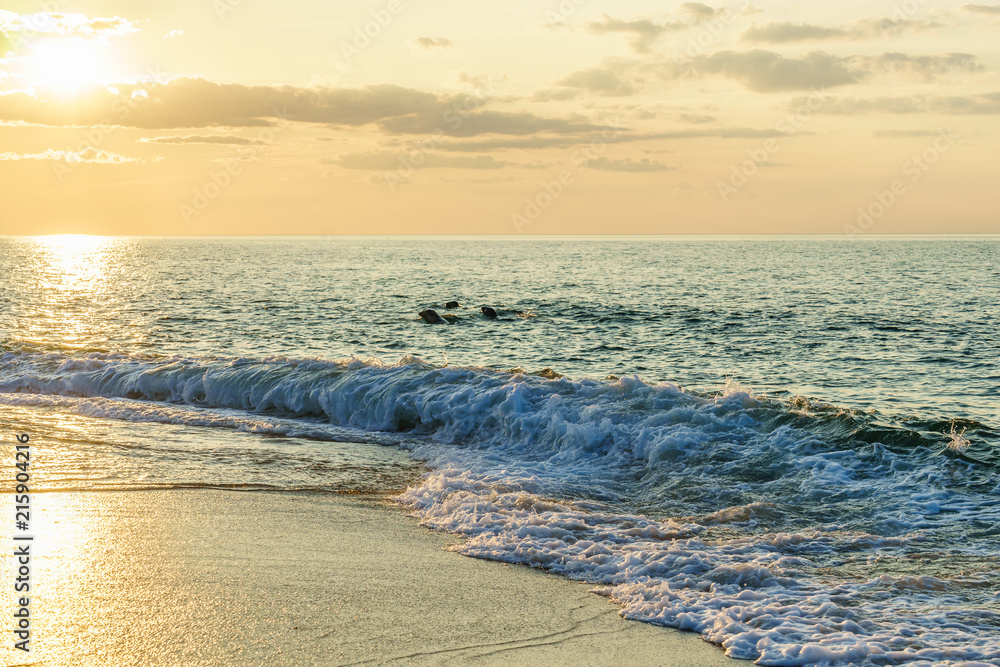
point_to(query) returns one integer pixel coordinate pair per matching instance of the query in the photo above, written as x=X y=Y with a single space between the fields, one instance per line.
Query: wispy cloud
x=196 y=139
x=981 y=9
x=88 y=155
x=427 y=43
x=762 y=71
x=977 y=104
x=866 y=29
x=386 y=161
x=628 y=165
x=197 y=103
x=642 y=32
x=67 y=25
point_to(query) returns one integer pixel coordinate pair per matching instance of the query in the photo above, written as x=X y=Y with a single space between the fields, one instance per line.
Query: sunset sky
x=530 y=117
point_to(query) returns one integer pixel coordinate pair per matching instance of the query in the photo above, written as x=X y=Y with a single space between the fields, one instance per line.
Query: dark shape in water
x=431 y=317
x=489 y=312
x=452 y=304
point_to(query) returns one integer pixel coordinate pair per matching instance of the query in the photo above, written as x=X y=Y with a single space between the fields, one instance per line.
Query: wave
x=782 y=531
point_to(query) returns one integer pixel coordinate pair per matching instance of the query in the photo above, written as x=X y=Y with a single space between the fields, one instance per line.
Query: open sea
x=788 y=445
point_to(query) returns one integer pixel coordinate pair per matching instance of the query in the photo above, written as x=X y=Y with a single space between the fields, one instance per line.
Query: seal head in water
x=431 y=317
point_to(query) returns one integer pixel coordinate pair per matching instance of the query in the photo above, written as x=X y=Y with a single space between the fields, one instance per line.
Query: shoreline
x=222 y=577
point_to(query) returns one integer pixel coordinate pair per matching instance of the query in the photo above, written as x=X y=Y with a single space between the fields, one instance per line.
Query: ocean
x=787 y=445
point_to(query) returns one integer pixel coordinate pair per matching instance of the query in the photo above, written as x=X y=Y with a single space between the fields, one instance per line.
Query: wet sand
x=229 y=578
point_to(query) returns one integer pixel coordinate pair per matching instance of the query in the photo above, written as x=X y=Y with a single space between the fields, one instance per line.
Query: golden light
x=75 y=255
x=66 y=65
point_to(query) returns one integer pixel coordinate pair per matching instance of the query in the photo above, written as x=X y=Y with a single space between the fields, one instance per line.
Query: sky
x=521 y=117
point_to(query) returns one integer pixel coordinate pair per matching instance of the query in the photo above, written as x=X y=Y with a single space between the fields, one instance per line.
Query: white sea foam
x=726 y=515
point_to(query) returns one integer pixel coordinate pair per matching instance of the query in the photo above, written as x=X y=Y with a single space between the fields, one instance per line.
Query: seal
x=431 y=317
x=452 y=304
x=489 y=312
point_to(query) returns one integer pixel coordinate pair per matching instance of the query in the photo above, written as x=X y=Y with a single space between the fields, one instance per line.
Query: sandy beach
x=221 y=578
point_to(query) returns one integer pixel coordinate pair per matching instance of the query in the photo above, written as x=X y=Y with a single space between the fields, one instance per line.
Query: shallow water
x=788 y=445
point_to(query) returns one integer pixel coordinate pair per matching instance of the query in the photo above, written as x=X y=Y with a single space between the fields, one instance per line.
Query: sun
x=66 y=65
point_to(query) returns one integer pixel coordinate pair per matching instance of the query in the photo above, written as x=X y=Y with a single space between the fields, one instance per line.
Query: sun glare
x=66 y=65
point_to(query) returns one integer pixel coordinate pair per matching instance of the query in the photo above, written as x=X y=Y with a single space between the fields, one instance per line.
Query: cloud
x=555 y=94
x=200 y=103
x=783 y=32
x=485 y=122
x=385 y=161
x=699 y=10
x=197 y=103
x=543 y=142
x=758 y=70
x=721 y=133
x=427 y=43
x=65 y=25
x=766 y=71
x=602 y=80
x=643 y=31
x=173 y=33
x=697 y=119
x=906 y=133
x=87 y=155
x=981 y=9
x=981 y=104
x=195 y=139
x=635 y=166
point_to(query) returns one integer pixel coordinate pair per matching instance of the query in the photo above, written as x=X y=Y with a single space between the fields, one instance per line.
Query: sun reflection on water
x=72 y=291
x=75 y=262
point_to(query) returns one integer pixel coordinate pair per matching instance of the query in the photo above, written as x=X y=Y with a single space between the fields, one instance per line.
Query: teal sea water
x=788 y=445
